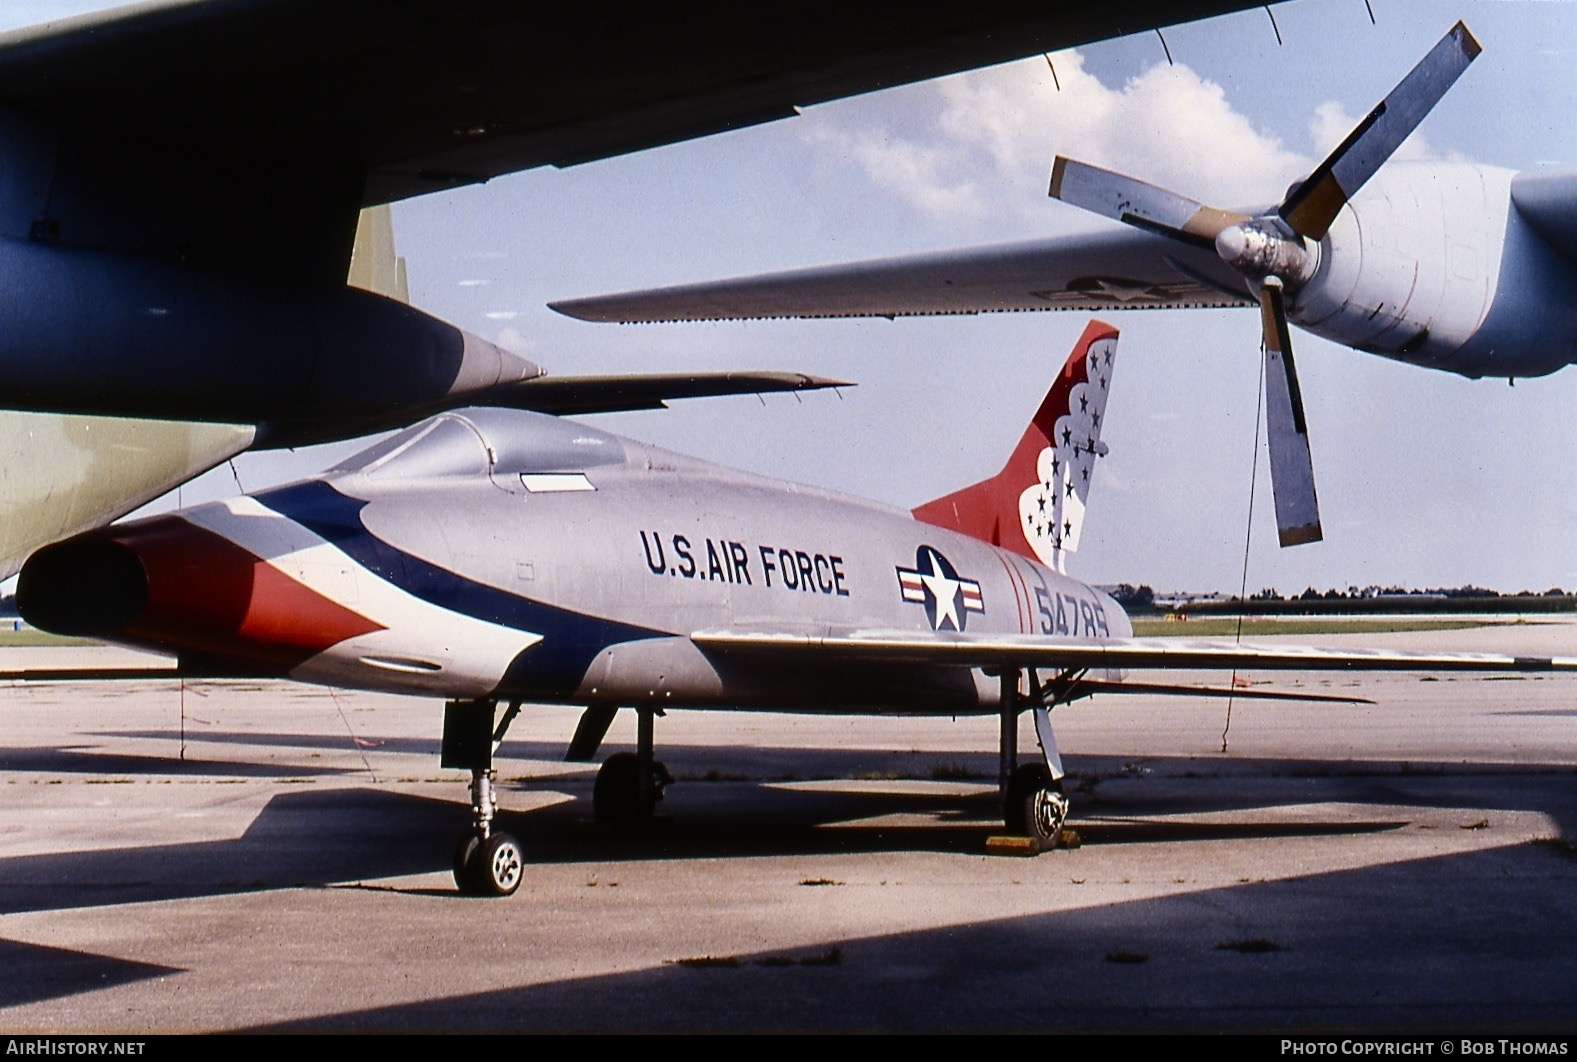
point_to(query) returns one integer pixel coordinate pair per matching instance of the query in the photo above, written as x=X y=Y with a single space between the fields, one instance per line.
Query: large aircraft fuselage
x=106 y=333
x=1441 y=265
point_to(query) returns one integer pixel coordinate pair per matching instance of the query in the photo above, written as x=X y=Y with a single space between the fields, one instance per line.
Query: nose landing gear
x=486 y=862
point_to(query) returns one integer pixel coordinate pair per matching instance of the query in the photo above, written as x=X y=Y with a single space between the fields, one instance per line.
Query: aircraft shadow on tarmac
x=1411 y=934
x=95 y=760
x=320 y=836
x=326 y=742
x=1476 y=942
x=324 y=837
x=34 y=973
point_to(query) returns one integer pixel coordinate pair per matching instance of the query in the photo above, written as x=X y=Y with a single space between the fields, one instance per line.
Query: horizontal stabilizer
x=617 y=393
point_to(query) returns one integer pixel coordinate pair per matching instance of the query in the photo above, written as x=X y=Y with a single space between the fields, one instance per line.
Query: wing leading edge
x=618 y=393
x=967 y=650
x=1107 y=270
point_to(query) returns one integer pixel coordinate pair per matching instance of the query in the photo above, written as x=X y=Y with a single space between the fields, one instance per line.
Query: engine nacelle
x=1431 y=264
x=121 y=335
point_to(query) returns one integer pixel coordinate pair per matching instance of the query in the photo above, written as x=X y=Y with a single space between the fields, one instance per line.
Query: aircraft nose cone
x=171 y=585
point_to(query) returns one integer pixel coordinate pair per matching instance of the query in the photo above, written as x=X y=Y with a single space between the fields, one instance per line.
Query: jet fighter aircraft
x=1446 y=265
x=493 y=556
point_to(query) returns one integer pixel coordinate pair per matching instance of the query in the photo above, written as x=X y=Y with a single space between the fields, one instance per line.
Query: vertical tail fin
x=374 y=265
x=1035 y=505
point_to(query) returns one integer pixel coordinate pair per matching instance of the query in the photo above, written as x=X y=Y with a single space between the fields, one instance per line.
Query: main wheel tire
x=465 y=864
x=498 y=866
x=616 y=797
x=1036 y=807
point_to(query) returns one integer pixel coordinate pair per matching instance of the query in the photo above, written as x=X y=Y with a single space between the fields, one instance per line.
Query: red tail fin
x=1035 y=505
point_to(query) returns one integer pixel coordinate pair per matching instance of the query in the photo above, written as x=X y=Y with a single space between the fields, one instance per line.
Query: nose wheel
x=491 y=867
x=487 y=862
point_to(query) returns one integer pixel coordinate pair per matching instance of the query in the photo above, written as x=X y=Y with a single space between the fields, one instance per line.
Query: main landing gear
x=486 y=862
x=1033 y=803
x=629 y=784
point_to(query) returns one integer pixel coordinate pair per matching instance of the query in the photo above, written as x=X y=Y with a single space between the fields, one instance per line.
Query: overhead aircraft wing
x=429 y=94
x=568 y=395
x=945 y=648
x=64 y=474
x=1118 y=269
x=1548 y=202
x=615 y=393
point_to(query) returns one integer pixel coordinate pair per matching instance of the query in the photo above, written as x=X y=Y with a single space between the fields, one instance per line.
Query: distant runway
x=271 y=856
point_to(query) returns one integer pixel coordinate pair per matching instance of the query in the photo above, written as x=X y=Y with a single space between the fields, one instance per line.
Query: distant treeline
x=1369 y=601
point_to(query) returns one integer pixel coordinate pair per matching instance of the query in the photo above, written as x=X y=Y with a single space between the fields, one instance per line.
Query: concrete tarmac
x=267 y=856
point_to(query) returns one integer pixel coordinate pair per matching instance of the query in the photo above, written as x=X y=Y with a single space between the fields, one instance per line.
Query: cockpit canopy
x=481 y=442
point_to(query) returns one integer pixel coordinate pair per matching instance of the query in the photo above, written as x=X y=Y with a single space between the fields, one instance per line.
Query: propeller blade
x=1291 y=466
x=1313 y=205
x=1136 y=203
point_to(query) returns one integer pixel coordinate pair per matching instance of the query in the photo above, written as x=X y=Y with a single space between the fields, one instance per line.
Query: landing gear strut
x=1033 y=803
x=629 y=785
x=486 y=862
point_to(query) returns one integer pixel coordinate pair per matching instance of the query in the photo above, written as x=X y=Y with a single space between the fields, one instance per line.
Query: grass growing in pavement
x=1226 y=626
x=28 y=638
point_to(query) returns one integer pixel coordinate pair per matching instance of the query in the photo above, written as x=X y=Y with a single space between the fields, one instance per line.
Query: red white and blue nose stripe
x=237 y=586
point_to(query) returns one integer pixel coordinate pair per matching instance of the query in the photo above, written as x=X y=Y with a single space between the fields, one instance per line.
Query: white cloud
x=931 y=177
x=995 y=132
x=986 y=141
x=1331 y=124
x=512 y=340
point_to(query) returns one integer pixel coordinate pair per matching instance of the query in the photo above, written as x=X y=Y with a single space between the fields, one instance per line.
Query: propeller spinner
x=1277 y=252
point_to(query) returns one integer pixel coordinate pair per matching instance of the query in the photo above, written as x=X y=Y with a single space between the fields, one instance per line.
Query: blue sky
x=1424 y=479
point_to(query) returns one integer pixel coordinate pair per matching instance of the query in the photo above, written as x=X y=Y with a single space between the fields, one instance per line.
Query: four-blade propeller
x=1277 y=252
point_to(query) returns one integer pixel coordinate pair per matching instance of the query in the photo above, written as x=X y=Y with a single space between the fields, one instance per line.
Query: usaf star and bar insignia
x=935 y=583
